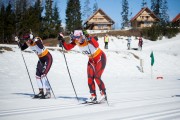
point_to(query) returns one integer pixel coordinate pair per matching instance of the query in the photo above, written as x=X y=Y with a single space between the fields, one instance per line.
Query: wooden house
x=100 y=20
x=144 y=18
x=176 y=20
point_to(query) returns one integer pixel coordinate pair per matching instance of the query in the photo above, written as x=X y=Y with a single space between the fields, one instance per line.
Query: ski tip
x=90 y=102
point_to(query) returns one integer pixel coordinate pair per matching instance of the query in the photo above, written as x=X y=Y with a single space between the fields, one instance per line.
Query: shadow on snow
x=62 y=97
x=25 y=94
x=79 y=98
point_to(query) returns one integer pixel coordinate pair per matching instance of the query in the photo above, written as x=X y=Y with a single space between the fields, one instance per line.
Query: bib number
x=86 y=52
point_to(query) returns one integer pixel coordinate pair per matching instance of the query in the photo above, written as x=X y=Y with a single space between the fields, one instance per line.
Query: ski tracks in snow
x=151 y=108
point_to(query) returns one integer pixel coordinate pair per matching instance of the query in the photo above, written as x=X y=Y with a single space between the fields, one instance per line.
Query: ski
x=37 y=97
x=92 y=102
x=176 y=96
x=89 y=102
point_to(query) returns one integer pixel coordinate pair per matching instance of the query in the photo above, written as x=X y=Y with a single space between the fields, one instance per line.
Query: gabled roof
x=96 y=13
x=142 y=10
x=176 y=18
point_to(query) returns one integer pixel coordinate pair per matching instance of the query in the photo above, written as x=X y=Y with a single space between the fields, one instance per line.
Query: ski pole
x=27 y=71
x=47 y=80
x=69 y=72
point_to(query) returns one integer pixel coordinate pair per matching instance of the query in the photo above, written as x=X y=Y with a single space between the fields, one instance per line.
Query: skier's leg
x=91 y=84
x=99 y=68
x=46 y=67
x=39 y=81
x=48 y=62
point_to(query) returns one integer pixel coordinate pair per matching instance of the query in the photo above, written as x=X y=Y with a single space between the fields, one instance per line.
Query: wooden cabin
x=176 y=20
x=144 y=18
x=100 y=20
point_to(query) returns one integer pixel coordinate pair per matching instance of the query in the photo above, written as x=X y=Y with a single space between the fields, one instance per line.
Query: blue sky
x=113 y=8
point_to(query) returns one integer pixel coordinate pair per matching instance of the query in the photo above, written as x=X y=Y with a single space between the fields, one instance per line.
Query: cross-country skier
x=129 y=42
x=96 y=64
x=43 y=65
x=140 y=43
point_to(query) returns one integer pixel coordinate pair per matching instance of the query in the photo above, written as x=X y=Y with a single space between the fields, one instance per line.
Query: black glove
x=61 y=38
x=88 y=38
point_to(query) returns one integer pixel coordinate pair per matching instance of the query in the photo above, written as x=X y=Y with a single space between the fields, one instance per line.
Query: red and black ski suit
x=96 y=63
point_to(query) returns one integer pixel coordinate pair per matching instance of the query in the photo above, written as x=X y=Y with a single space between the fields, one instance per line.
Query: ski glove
x=16 y=39
x=31 y=36
x=61 y=37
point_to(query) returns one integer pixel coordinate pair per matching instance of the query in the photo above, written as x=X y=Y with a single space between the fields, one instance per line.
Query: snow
x=132 y=94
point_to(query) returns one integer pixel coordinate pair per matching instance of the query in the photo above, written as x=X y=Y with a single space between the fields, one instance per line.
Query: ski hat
x=78 y=32
x=28 y=36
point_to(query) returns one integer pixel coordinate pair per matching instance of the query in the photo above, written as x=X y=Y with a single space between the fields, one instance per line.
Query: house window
x=147 y=17
x=94 y=19
x=147 y=24
x=101 y=26
x=100 y=19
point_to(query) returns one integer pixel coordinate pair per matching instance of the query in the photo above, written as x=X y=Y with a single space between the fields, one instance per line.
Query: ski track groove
x=37 y=109
x=143 y=116
x=70 y=106
x=155 y=115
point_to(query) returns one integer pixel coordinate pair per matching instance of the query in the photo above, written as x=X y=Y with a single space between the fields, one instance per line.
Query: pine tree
x=86 y=10
x=21 y=17
x=47 y=21
x=56 y=20
x=156 y=7
x=37 y=17
x=95 y=7
x=125 y=14
x=73 y=15
x=9 y=23
x=2 y=23
x=164 y=10
x=144 y=4
x=160 y=8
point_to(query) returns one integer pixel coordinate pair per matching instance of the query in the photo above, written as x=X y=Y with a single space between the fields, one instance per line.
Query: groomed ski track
x=149 y=108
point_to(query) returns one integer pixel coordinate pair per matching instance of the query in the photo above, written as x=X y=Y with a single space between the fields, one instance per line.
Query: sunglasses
x=76 y=37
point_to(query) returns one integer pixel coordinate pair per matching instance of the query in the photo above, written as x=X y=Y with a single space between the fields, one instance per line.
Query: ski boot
x=103 y=97
x=93 y=98
x=40 y=94
x=47 y=95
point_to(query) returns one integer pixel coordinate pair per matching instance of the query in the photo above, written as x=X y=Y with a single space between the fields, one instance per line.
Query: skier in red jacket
x=96 y=64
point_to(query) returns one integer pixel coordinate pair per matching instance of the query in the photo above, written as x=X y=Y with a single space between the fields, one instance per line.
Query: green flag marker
x=152 y=58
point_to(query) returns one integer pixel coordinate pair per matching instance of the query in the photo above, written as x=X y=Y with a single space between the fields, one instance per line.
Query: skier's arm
x=69 y=46
x=66 y=46
x=22 y=46
x=94 y=42
x=39 y=43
